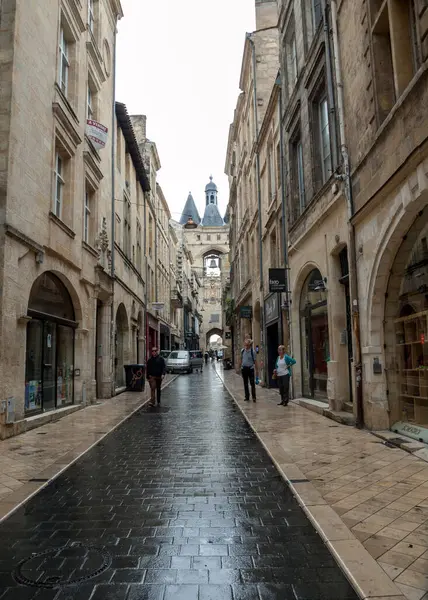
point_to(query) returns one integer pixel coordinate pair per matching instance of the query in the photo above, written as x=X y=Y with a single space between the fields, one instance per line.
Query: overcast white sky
x=178 y=62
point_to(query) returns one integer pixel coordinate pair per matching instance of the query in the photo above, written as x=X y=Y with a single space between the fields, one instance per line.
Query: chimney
x=266 y=14
x=139 y=123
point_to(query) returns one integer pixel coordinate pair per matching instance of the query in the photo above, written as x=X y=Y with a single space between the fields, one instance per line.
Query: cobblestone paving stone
x=179 y=503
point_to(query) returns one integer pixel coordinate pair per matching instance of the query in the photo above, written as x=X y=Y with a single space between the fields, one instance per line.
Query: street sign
x=246 y=312
x=277 y=280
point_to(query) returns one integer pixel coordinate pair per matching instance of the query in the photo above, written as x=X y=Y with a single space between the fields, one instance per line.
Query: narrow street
x=180 y=502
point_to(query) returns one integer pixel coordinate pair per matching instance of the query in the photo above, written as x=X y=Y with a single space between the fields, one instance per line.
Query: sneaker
x=254 y=400
x=246 y=399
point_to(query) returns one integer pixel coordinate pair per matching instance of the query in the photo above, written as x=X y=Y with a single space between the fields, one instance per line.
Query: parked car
x=165 y=353
x=197 y=359
x=179 y=362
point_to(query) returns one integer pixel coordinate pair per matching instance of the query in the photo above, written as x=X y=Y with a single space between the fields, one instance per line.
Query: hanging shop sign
x=271 y=308
x=158 y=305
x=246 y=312
x=277 y=280
x=97 y=133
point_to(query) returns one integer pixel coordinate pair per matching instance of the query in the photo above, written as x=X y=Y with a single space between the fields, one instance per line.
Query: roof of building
x=211 y=186
x=125 y=124
x=190 y=211
x=212 y=217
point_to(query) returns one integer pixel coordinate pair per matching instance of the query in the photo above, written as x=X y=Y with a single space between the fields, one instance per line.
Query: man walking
x=249 y=369
x=156 y=369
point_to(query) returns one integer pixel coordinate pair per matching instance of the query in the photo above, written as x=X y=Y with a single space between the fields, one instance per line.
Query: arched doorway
x=49 y=372
x=406 y=329
x=212 y=336
x=121 y=345
x=314 y=336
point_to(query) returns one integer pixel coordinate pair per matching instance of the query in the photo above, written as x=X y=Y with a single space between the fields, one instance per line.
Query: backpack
x=252 y=354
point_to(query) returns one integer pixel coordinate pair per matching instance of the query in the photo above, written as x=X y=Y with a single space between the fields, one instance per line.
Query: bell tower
x=211 y=193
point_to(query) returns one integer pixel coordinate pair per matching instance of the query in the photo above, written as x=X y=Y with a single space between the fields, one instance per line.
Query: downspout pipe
x=259 y=195
x=346 y=178
x=146 y=282
x=113 y=213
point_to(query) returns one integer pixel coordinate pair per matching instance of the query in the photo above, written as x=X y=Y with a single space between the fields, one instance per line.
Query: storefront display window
x=49 y=381
x=314 y=337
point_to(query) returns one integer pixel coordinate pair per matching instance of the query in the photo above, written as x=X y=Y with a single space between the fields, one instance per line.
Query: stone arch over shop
x=51 y=343
x=385 y=301
x=121 y=345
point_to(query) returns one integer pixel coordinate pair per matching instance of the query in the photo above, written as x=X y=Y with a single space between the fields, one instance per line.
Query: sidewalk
x=29 y=461
x=368 y=501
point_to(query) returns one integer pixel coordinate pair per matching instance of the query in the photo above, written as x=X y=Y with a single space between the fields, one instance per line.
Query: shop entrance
x=314 y=337
x=272 y=341
x=49 y=372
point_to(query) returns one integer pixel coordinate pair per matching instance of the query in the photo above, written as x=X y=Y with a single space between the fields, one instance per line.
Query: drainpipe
x=113 y=213
x=146 y=340
x=259 y=202
x=283 y=179
x=346 y=178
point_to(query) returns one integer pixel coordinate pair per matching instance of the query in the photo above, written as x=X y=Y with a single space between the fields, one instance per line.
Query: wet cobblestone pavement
x=179 y=503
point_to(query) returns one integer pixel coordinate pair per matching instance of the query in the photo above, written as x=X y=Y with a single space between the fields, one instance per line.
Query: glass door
x=320 y=351
x=33 y=366
x=49 y=365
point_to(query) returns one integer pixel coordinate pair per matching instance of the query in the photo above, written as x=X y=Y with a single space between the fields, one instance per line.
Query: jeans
x=284 y=387
x=155 y=388
x=248 y=374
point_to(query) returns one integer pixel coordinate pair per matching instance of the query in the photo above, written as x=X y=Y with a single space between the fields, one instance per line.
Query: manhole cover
x=63 y=566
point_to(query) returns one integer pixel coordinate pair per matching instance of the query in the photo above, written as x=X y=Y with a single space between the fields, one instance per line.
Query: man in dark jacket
x=156 y=369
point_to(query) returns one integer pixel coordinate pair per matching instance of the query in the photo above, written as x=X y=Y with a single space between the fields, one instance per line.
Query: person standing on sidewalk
x=282 y=373
x=156 y=369
x=249 y=369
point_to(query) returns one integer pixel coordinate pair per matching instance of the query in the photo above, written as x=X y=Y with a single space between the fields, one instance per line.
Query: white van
x=179 y=362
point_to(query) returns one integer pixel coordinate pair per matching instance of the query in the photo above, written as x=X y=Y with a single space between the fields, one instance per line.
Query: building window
x=278 y=165
x=91 y=16
x=150 y=234
x=218 y=237
x=394 y=56
x=198 y=237
x=64 y=63
x=324 y=132
x=89 y=215
x=316 y=13
x=291 y=55
x=90 y=105
x=127 y=226
x=208 y=237
x=119 y=149
x=271 y=175
x=59 y=184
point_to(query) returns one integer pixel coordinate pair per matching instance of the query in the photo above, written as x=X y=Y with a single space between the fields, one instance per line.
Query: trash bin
x=135 y=377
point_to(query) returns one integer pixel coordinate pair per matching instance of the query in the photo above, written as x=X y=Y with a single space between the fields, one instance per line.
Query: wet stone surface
x=179 y=503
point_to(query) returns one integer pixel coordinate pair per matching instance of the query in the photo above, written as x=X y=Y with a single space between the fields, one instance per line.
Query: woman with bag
x=282 y=373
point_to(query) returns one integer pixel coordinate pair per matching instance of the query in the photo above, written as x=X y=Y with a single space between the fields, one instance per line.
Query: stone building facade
x=354 y=143
x=55 y=252
x=209 y=247
x=253 y=171
x=386 y=123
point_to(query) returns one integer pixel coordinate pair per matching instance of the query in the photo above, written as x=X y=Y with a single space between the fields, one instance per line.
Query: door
x=49 y=365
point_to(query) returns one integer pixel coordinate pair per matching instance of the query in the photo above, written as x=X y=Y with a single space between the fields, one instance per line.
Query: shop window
x=49 y=376
x=314 y=331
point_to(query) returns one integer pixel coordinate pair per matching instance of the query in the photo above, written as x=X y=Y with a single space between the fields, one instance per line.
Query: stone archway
x=210 y=333
x=121 y=345
x=401 y=219
x=51 y=344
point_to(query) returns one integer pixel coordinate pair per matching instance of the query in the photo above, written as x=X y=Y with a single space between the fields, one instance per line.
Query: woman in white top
x=283 y=372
